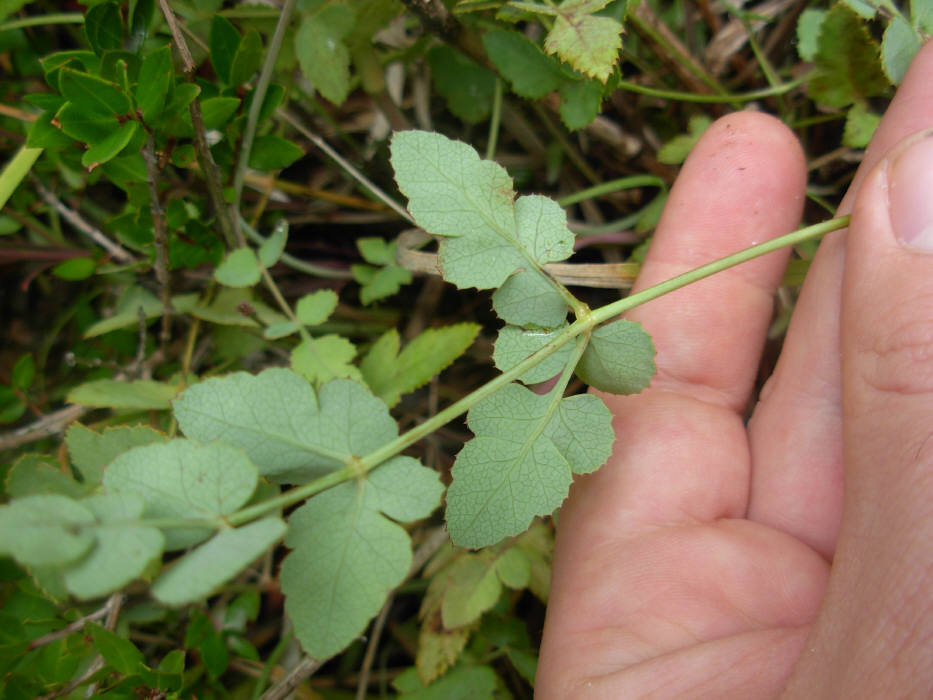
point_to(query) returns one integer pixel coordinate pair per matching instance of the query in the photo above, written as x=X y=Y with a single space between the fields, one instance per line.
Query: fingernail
x=910 y=193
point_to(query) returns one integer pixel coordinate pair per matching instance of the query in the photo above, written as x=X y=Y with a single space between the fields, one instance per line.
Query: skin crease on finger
x=654 y=588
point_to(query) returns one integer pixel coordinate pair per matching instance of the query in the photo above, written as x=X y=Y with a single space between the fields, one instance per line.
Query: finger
x=878 y=589
x=796 y=430
x=683 y=441
x=681 y=453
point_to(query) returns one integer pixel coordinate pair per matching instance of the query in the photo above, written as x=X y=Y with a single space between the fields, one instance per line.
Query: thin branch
x=298 y=675
x=345 y=164
x=75 y=626
x=47 y=426
x=374 y=636
x=259 y=94
x=228 y=226
x=73 y=218
x=159 y=239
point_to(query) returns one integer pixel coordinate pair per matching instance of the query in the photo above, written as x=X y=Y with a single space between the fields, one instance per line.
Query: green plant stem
x=604 y=313
x=736 y=98
x=43 y=20
x=494 y=121
x=259 y=94
x=293 y=262
x=583 y=325
x=271 y=662
x=286 y=309
x=623 y=183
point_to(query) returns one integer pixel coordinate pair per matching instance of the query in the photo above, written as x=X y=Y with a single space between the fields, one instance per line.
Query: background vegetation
x=194 y=188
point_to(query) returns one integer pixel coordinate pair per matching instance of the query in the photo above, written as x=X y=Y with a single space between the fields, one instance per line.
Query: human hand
x=714 y=559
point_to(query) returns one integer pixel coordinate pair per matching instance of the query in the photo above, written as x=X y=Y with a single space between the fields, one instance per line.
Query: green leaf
x=515 y=344
x=316 y=307
x=808 y=33
x=898 y=48
x=530 y=72
x=472 y=588
x=120 y=653
x=590 y=44
x=527 y=298
x=676 y=150
x=921 y=15
x=513 y=568
x=75 y=269
x=224 y=42
x=273 y=247
x=247 y=59
x=103 y=26
x=216 y=111
x=140 y=18
x=197 y=574
x=347 y=555
x=468 y=202
x=860 y=126
x=33 y=475
x=376 y=251
x=132 y=301
x=390 y=373
x=155 y=78
x=280 y=329
x=143 y=394
x=519 y=465
x=461 y=683
x=379 y=282
x=324 y=358
x=846 y=60
x=24 y=372
x=91 y=451
x=85 y=125
x=93 y=95
x=292 y=433
x=467 y=86
x=866 y=9
x=619 y=358
x=9 y=7
x=239 y=269
x=579 y=103
x=42 y=134
x=272 y=152
x=45 y=530
x=183 y=479
x=124 y=549
x=110 y=147
x=322 y=53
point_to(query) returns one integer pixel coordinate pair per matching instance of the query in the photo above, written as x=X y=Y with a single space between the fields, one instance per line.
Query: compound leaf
x=273 y=247
x=184 y=479
x=527 y=298
x=589 y=44
x=519 y=465
x=348 y=556
x=469 y=203
x=292 y=433
x=197 y=574
x=45 y=530
x=514 y=344
x=579 y=103
x=390 y=373
x=619 y=358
